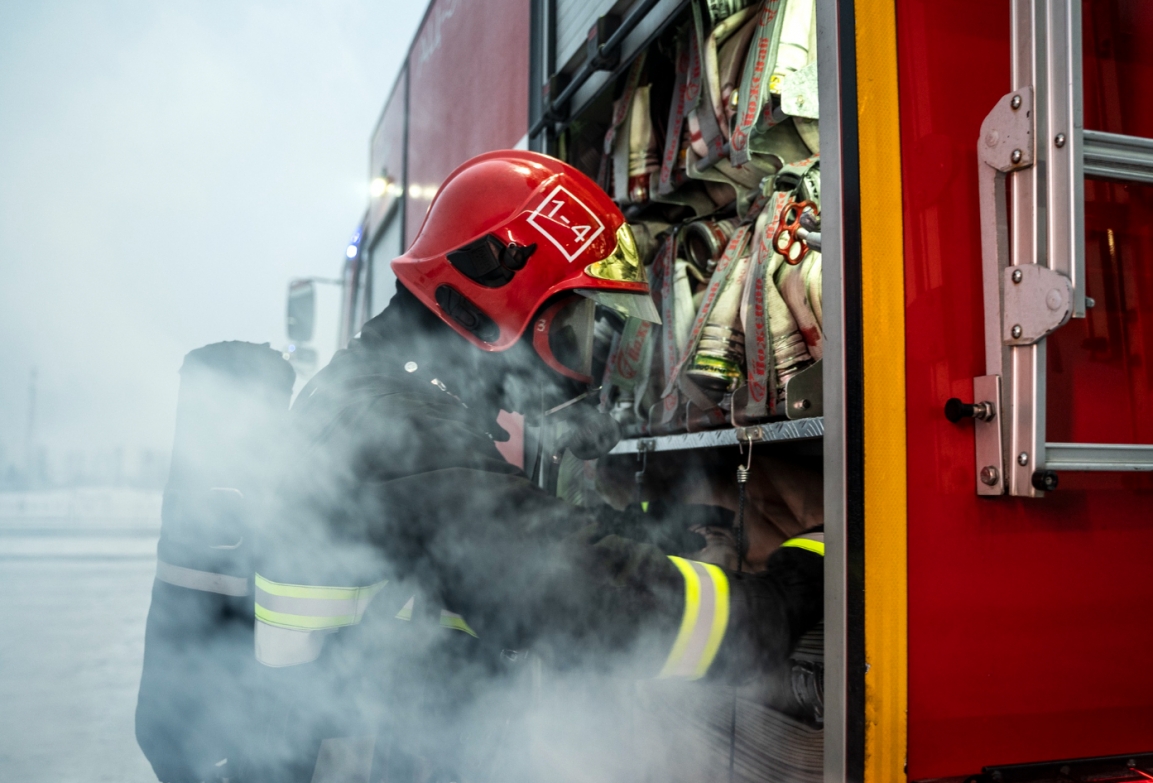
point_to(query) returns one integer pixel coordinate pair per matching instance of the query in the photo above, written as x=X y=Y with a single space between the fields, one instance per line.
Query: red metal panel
x=1100 y=386
x=469 y=83
x=1029 y=636
x=1118 y=66
x=386 y=159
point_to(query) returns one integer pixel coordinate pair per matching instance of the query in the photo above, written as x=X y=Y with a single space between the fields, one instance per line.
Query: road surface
x=76 y=574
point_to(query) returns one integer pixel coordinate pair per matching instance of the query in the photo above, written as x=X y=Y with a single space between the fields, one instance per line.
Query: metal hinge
x=1035 y=301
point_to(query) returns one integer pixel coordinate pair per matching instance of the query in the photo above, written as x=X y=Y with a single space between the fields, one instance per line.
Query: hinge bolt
x=1060 y=140
x=1016 y=102
x=1090 y=303
x=1015 y=156
x=1016 y=331
x=989 y=475
x=1017 y=275
x=1023 y=458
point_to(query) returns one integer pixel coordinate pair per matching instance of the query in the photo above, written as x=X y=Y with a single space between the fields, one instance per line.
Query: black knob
x=955 y=410
x=1045 y=480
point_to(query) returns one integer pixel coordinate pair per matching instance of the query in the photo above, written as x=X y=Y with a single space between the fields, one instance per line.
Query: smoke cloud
x=167 y=168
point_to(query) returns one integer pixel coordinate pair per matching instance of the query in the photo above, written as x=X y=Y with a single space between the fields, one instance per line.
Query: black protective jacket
x=394 y=476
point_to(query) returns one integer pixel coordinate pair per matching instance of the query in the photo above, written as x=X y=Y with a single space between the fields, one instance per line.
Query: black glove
x=769 y=612
x=586 y=432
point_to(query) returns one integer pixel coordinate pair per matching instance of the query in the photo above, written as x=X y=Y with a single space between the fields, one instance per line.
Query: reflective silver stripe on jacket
x=206 y=581
x=704 y=622
x=311 y=607
x=292 y=620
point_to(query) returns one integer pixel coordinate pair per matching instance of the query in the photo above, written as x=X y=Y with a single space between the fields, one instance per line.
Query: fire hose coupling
x=955 y=410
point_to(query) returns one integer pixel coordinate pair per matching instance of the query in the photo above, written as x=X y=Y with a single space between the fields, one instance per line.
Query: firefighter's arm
x=735 y=626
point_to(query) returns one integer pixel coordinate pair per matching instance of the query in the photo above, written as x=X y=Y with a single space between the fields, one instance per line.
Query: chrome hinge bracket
x=990 y=465
x=1035 y=302
x=1007 y=132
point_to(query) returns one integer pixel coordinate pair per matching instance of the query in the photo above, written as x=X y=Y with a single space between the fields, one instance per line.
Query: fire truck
x=956 y=210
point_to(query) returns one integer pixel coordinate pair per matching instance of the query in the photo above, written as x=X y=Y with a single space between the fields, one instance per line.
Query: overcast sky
x=165 y=168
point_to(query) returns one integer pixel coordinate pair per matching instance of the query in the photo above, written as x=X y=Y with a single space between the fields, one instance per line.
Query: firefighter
x=404 y=550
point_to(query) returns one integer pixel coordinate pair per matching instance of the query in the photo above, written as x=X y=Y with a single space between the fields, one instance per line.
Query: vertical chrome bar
x=1027 y=436
x=995 y=247
x=1026 y=214
x=1063 y=146
x=989 y=463
x=1023 y=398
x=1076 y=153
x=836 y=562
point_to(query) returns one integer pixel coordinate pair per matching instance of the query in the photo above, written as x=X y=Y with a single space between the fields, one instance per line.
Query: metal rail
x=773 y=432
x=591 y=66
x=1117 y=157
x=1098 y=456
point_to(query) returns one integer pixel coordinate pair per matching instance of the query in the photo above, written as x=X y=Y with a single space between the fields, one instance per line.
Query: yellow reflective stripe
x=807 y=543
x=303 y=622
x=456 y=622
x=311 y=607
x=704 y=621
x=688 y=620
x=405 y=612
x=310 y=591
x=448 y=619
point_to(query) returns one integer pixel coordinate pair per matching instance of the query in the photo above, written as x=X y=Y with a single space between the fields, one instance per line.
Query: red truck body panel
x=1029 y=632
x=469 y=92
x=387 y=155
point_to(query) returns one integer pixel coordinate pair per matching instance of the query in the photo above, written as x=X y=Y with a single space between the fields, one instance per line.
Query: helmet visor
x=627 y=304
x=563 y=337
x=623 y=265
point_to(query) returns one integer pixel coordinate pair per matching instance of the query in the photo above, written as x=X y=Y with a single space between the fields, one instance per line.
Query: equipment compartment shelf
x=772 y=432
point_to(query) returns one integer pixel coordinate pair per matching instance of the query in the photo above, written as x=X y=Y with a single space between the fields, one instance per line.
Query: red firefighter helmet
x=507 y=232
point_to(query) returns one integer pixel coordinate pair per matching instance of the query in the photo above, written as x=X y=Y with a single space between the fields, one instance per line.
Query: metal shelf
x=777 y=431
